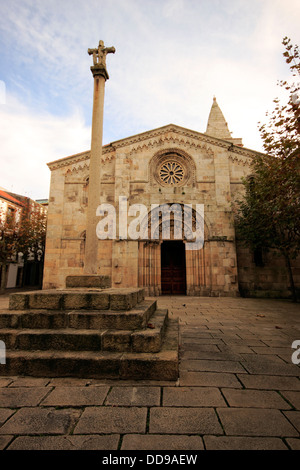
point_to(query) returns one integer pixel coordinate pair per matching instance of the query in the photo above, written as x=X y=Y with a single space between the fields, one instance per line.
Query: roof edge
x=135 y=138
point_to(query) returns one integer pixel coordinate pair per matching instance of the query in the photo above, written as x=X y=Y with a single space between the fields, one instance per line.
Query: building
x=10 y=214
x=168 y=165
x=14 y=207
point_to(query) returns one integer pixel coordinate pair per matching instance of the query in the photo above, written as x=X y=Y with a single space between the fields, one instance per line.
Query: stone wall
x=210 y=170
x=267 y=278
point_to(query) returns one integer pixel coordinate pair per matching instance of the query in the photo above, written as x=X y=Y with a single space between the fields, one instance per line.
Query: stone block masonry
x=245 y=408
x=89 y=332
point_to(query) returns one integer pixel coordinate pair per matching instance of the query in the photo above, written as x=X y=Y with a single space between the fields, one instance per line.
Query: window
x=258 y=257
x=171 y=172
x=10 y=217
x=172 y=168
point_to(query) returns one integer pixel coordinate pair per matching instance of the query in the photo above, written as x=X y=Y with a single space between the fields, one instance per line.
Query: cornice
x=156 y=137
x=81 y=157
x=241 y=159
x=71 y=160
x=185 y=134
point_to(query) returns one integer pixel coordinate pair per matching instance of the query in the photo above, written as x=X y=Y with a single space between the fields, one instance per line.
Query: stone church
x=168 y=165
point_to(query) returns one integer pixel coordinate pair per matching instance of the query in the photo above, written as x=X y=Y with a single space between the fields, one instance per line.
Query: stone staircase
x=89 y=332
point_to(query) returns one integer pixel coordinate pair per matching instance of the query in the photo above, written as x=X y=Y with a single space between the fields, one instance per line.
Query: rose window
x=171 y=172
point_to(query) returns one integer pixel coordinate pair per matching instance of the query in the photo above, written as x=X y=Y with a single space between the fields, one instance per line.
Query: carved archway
x=197 y=261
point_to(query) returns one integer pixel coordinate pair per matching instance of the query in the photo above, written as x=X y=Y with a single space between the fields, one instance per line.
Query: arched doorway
x=167 y=265
x=173 y=268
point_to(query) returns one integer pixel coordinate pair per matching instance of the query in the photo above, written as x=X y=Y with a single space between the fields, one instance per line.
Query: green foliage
x=25 y=235
x=281 y=135
x=269 y=214
x=32 y=234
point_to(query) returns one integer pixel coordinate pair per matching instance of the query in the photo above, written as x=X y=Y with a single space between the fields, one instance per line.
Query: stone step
x=145 y=340
x=133 y=319
x=87 y=299
x=88 y=281
x=91 y=364
x=71 y=339
x=60 y=340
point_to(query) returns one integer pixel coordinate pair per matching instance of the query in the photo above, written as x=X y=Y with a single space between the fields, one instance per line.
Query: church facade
x=169 y=165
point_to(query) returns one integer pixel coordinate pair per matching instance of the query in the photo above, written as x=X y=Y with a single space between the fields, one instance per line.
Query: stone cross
x=99 y=54
x=91 y=264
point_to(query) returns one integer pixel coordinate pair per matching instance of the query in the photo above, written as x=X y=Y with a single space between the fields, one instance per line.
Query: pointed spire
x=216 y=124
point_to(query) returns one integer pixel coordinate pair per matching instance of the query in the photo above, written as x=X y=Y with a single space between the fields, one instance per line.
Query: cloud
x=30 y=140
x=172 y=57
x=2 y=92
x=173 y=8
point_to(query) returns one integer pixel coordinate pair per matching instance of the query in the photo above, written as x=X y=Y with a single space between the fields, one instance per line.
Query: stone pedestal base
x=89 y=332
x=87 y=280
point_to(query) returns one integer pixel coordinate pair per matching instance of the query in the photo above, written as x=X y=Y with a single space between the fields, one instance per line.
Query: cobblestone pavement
x=238 y=389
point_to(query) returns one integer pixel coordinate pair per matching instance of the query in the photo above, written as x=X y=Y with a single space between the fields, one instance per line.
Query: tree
x=32 y=233
x=269 y=214
x=8 y=240
x=281 y=136
x=26 y=236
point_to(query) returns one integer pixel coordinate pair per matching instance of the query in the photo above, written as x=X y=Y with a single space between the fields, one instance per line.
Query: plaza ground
x=237 y=389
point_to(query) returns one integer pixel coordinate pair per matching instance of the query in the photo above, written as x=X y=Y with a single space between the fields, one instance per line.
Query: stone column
x=100 y=76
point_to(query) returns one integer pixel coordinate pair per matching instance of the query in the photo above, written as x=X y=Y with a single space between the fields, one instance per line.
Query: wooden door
x=173 y=272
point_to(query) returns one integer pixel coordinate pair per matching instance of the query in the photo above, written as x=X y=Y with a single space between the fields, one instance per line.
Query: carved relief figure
x=99 y=54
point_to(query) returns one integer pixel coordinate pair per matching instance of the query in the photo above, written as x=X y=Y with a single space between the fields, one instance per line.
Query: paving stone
x=255 y=399
x=40 y=421
x=192 y=337
x=286 y=357
x=110 y=442
x=17 y=397
x=76 y=396
x=279 y=342
x=184 y=421
x=255 y=422
x=70 y=382
x=264 y=359
x=4 y=382
x=212 y=356
x=4 y=441
x=293 y=398
x=235 y=349
x=294 y=443
x=200 y=342
x=273 y=351
x=112 y=420
x=209 y=379
x=5 y=414
x=243 y=443
x=257 y=364
x=192 y=396
x=161 y=442
x=195 y=347
x=29 y=382
x=242 y=342
x=212 y=366
x=134 y=396
x=294 y=418
x=269 y=382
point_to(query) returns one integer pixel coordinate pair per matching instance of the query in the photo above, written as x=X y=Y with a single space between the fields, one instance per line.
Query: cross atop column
x=99 y=59
x=91 y=263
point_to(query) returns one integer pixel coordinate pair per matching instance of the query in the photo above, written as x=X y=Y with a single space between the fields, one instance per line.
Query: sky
x=172 y=57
